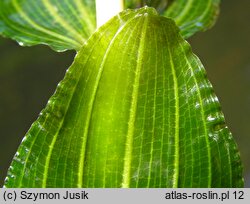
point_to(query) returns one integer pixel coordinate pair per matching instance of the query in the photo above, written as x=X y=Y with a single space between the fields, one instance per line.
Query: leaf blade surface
x=134 y=110
x=190 y=15
x=193 y=15
x=60 y=24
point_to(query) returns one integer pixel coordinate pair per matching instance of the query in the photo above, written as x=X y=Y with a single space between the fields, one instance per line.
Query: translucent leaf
x=61 y=24
x=193 y=15
x=134 y=110
x=190 y=15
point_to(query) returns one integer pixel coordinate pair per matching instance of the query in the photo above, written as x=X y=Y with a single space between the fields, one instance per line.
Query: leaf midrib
x=133 y=109
x=177 y=117
x=92 y=101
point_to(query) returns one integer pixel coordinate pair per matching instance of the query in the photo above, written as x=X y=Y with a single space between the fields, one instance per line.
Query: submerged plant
x=135 y=108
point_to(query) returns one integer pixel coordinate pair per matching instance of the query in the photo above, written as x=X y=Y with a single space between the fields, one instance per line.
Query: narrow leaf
x=134 y=110
x=193 y=15
x=61 y=24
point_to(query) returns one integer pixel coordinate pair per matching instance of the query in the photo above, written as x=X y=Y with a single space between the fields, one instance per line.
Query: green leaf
x=61 y=24
x=193 y=15
x=135 y=109
x=190 y=15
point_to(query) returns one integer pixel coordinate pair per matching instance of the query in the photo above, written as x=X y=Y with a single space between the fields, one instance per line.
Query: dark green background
x=28 y=77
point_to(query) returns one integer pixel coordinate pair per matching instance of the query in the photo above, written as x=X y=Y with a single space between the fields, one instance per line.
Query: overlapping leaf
x=61 y=24
x=134 y=110
x=190 y=15
x=193 y=15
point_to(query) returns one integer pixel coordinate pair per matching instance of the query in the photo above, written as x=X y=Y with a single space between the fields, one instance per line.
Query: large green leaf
x=61 y=24
x=134 y=110
x=193 y=15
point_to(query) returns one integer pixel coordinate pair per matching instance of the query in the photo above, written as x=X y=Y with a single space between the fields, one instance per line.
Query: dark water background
x=28 y=77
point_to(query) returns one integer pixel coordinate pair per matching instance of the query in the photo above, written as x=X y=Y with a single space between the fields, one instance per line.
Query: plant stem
x=105 y=9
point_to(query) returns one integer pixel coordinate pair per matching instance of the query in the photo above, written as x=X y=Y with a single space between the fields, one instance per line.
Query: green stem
x=106 y=9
